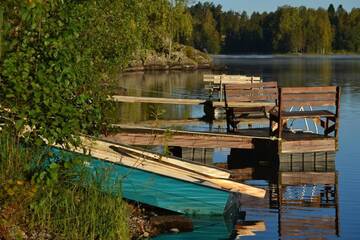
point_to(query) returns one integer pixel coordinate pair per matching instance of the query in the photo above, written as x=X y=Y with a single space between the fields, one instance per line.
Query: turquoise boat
x=157 y=184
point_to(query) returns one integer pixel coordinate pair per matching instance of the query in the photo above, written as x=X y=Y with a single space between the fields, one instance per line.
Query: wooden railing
x=264 y=94
x=317 y=99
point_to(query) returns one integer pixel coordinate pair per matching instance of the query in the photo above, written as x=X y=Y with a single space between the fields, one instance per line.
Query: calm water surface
x=297 y=217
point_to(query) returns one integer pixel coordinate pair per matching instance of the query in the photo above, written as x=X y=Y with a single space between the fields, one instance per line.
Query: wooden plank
x=104 y=149
x=196 y=141
x=244 y=104
x=251 y=92
x=207 y=170
x=298 y=178
x=328 y=89
x=132 y=99
x=310 y=95
x=217 y=79
x=307 y=102
x=157 y=190
x=308 y=114
x=253 y=98
x=308 y=145
x=264 y=85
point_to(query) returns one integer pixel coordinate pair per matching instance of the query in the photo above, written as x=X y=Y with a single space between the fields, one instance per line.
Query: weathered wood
x=308 y=114
x=207 y=170
x=244 y=104
x=217 y=79
x=259 y=85
x=132 y=99
x=297 y=90
x=308 y=145
x=316 y=96
x=260 y=93
x=181 y=140
x=104 y=150
x=251 y=98
x=298 y=178
x=307 y=103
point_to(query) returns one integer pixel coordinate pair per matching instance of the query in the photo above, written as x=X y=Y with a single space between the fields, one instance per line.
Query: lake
x=309 y=210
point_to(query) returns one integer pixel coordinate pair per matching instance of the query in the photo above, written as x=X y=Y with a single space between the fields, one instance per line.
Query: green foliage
x=205 y=36
x=287 y=30
x=58 y=200
x=56 y=56
x=289 y=36
x=71 y=203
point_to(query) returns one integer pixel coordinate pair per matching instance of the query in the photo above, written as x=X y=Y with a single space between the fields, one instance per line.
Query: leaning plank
x=223 y=183
x=255 y=226
x=100 y=150
x=207 y=170
x=238 y=187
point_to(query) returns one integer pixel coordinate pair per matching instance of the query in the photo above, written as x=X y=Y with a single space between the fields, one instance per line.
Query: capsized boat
x=162 y=181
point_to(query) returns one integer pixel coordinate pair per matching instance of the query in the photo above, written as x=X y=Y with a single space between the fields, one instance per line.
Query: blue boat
x=157 y=184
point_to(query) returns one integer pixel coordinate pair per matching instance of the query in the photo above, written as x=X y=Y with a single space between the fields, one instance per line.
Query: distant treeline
x=287 y=30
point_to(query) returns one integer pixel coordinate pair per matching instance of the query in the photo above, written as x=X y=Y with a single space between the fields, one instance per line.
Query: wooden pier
x=181 y=101
x=156 y=136
x=245 y=99
x=242 y=139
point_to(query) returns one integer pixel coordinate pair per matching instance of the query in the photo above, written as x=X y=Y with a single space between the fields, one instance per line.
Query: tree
x=289 y=33
x=342 y=29
x=205 y=35
x=56 y=56
x=353 y=43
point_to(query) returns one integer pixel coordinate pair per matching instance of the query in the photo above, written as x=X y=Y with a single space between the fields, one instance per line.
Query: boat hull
x=158 y=190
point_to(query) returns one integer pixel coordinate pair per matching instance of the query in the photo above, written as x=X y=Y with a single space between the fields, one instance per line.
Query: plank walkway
x=242 y=139
x=156 y=136
x=181 y=101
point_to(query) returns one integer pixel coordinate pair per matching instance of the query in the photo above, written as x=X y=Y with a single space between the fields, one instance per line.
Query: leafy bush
x=55 y=56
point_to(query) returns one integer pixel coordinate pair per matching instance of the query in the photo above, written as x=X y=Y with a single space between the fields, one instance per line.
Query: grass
x=58 y=200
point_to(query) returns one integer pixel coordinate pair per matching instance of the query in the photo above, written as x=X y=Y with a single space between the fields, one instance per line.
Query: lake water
x=304 y=212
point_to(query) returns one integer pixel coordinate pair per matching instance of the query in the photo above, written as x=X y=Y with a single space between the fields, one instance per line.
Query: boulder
x=168 y=223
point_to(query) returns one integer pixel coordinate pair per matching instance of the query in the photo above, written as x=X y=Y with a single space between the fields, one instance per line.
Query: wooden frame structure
x=217 y=82
x=264 y=94
x=319 y=98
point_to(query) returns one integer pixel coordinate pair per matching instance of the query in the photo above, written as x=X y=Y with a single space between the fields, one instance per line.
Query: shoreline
x=336 y=55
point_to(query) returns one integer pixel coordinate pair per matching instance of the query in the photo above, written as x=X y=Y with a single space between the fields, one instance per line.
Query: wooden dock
x=249 y=99
x=182 y=101
x=242 y=139
x=157 y=136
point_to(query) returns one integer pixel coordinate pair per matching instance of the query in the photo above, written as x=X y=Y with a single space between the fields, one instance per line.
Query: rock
x=181 y=58
x=174 y=230
x=155 y=61
x=171 y=223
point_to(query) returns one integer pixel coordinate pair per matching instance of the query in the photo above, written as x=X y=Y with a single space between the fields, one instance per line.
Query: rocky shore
x=181 y=58
x=146 y=222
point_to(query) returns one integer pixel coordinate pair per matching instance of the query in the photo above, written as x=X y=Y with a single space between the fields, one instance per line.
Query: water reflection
x=303 y=193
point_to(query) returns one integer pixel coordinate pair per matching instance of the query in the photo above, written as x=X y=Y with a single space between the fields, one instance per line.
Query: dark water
x=314 y=210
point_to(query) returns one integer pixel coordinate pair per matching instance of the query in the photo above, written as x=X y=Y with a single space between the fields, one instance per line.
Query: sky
x=271 y=5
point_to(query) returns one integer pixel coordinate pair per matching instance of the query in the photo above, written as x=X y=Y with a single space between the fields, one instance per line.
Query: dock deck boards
x=243 y=139
x=182 y=101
